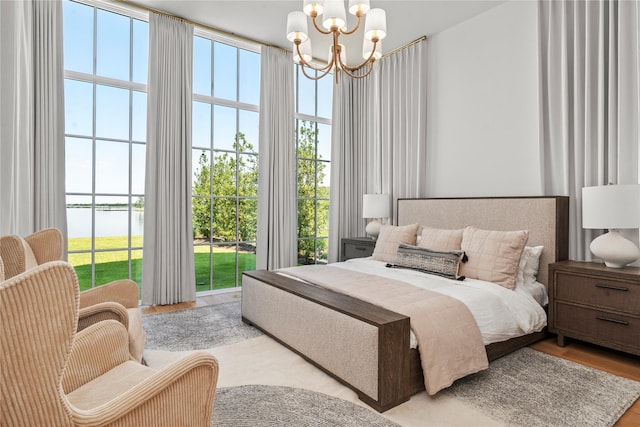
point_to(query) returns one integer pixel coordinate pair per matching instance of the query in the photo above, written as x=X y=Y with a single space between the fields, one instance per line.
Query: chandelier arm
x=314 y=15
x=349 y=71
x=303 y=62
x=302 y=67
x=359 y=15
x=350 y=74
x=370 y=59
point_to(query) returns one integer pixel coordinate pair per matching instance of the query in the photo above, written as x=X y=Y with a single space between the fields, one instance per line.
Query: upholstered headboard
x=546 y=218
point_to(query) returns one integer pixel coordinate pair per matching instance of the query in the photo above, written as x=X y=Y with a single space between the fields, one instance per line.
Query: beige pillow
x=29 y=257
x=390 y=238
x=494 y=256
x=438 y=239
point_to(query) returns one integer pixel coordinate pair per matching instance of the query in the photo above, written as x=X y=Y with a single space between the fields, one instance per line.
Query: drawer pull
x=615 y=288
x=609 y=319
x=360 y=248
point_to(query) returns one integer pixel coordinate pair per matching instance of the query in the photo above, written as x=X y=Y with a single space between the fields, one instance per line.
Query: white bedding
x=501 y=313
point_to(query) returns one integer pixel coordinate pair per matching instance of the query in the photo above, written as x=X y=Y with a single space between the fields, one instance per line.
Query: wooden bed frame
x=366 y=347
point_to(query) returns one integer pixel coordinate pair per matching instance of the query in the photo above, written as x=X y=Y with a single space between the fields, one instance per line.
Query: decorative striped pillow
x=445 y=264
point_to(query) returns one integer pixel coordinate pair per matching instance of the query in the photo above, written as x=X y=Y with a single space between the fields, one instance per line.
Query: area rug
x=197 y=328
x=530 y=388
x=261 y=406
x=525 y=388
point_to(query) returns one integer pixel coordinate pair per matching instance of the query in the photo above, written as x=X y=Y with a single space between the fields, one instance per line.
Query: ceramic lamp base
x=373 y=228
x=614 y=249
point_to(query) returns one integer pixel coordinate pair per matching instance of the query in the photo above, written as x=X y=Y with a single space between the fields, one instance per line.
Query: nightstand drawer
x=605 y=293
x=598 y=326
x=355 y=250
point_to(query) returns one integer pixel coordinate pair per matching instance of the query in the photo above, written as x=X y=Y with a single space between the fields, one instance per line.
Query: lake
x=108 y=222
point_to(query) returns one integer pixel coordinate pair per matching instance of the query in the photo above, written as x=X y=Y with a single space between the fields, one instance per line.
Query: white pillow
x=529 y=264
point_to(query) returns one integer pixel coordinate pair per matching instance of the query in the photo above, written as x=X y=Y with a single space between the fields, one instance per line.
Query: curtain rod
x=243 y=38
x=195 y=23
x=398 y=49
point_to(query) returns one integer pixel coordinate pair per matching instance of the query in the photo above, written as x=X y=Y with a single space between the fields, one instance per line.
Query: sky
x=116 y=47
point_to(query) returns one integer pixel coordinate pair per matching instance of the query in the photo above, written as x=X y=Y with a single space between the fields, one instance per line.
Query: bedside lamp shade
x=612 y=207
x=376 y=206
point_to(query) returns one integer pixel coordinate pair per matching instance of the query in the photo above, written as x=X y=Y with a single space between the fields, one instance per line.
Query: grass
x=114 y=265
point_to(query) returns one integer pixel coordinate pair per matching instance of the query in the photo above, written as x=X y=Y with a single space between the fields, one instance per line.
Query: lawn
x=114 y=265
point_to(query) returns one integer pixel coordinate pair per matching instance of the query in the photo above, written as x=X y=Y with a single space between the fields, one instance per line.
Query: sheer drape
x=589 y=59
x=277 y=211
x=399 y=166
x=31 y=117
x=352 y=136
x=378 y=139
x=168 y=275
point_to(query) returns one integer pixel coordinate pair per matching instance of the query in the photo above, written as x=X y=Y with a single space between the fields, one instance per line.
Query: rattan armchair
x=117 y=300
x=54 y=375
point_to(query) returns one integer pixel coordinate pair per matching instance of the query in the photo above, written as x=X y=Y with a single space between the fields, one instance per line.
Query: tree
x=312 y=213
x=241 y=167
x=201 y=209
x=228 y=168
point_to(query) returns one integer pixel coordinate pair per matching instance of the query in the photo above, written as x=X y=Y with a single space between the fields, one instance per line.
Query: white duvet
x=501 y=313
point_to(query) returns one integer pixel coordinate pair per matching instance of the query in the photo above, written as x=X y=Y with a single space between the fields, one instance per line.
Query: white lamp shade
x=305 y=51
x=376 y=206
x=611 y=206
x=367 y=47
x=356 y=5
x=334 y=14
x=311 y=5
x=297 y=26
x=375 y=25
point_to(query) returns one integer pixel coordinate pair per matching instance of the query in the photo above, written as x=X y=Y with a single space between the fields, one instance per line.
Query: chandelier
x=334 y=23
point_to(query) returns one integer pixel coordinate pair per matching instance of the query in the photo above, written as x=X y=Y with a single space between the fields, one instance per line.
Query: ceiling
x=265 y=21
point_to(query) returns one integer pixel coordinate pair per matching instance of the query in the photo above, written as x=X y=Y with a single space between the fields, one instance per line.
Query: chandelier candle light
x=334 y=22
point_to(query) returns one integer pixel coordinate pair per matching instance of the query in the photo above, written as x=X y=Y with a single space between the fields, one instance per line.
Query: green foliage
x=139 y=204
x=313 y=215
x=215 y=217
x=219 y=212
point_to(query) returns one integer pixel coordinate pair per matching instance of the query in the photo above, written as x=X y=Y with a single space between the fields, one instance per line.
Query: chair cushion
x=109 y=385
x=29 y=257
x=137 y=335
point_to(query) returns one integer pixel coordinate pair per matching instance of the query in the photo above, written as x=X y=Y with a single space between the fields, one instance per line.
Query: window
x=226 y=85
x=105 y=61
x=313 y=142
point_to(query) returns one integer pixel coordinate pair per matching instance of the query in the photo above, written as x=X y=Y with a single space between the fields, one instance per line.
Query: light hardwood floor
x=614 y=362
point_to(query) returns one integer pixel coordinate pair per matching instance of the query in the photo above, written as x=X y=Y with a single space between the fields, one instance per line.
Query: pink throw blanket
x=449 y=341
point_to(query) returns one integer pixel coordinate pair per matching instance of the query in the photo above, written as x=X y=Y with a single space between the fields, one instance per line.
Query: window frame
x=315 y=120
x=238 y=106
x=130 y=87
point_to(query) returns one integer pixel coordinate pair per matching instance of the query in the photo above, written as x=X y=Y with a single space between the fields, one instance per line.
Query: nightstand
x=591 y=302
x=356 y=247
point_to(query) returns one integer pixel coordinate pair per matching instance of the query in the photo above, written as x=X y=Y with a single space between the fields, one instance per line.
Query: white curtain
x=32 y=192
x=400 y=159
x=277 y=210
x=352 y=135
x=168 y=275
x=378 y=140
x=590 y=98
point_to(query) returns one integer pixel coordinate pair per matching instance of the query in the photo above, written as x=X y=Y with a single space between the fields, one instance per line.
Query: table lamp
x=376 y=206
x=612 y=207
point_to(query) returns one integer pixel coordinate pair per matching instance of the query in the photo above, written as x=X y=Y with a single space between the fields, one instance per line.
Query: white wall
x=482 y=113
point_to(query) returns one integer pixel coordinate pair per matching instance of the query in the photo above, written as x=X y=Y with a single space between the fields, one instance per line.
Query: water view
x=110 y=221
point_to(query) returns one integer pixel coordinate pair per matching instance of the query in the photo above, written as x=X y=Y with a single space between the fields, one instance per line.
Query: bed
x=367 y=347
